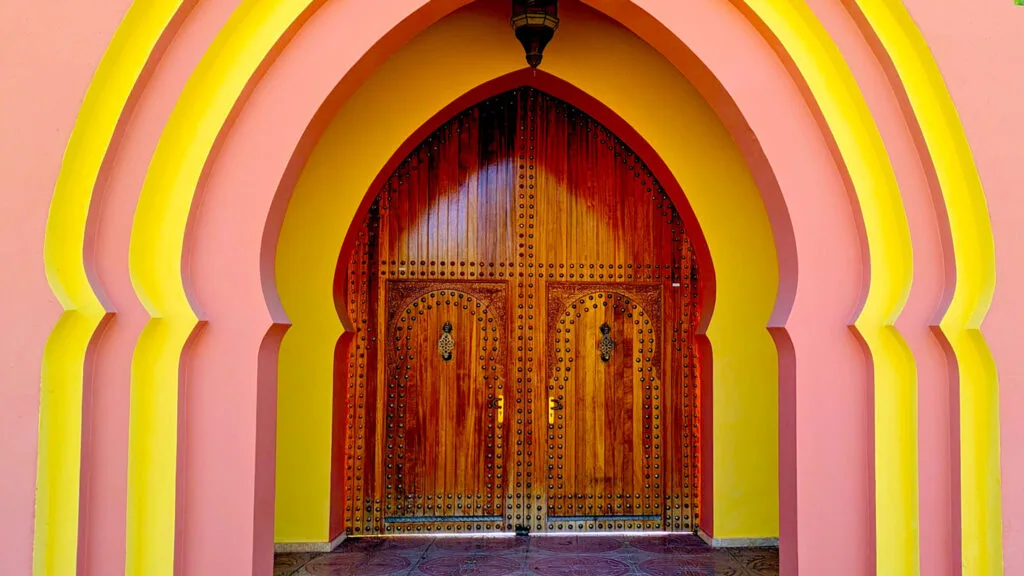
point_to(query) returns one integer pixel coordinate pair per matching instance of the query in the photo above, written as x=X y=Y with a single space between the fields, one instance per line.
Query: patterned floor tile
x=357 y=564
x=758 y=561
x=671 y=544
x=554 y=555
x=482 y=545
x=471 y=565
x=678 y=566
x=577 y=544
x=564 y=565
x=288 y=563
x=552 y=543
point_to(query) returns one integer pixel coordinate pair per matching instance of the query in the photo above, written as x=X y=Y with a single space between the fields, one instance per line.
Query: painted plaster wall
x=978 y=48
x=56 y=49
x=48 y=55
x=609 y=63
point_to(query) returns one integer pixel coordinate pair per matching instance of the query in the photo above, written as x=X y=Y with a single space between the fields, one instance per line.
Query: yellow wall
x=461 y=52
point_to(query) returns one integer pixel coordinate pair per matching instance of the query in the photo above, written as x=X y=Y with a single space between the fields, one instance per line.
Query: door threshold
x=610 y=533
x=631 y=533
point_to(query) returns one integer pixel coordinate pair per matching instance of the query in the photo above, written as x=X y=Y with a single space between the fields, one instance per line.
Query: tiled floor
x=674 y=555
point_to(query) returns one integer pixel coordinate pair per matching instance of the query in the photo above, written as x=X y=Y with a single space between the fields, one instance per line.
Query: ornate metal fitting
x=607 y=344
x=554 y=404
x=534 y=22
x=497 y=403
x=446 y=344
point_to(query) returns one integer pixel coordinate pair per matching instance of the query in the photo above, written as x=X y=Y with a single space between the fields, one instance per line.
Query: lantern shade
x=534 y=22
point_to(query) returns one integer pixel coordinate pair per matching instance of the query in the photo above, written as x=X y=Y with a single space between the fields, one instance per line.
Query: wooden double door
x=523 y=298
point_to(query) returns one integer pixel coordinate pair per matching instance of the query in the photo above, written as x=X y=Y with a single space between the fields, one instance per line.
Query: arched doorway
x=524 y=297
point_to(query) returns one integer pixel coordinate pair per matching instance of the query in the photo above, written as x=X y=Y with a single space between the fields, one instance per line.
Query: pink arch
x=934 y=279
x=43 y=84
x=102 y=527
x=242 y=200
x=88 y=29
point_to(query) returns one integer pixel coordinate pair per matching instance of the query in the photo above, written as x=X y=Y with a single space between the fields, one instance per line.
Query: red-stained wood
x=524 y=299
x=444 y=440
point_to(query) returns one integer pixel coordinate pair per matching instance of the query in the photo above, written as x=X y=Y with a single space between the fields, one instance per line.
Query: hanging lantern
x=534 y=22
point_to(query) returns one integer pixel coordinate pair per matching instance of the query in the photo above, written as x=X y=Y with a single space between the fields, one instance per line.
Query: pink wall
x=299 y=90
x=939 y=530
x=978 y=49
x=102 y=536
x=48 y=53
x=825 y=438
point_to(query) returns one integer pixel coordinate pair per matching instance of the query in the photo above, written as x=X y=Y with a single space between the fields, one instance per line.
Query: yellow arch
x=974 y=257
x=452 y=57
x=891 y=264
x=60 y=425
x=155 y=263
x=254 y=28
x=261 y=25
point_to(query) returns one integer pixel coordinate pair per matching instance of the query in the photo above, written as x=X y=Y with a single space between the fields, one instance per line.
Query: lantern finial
x=534 y=22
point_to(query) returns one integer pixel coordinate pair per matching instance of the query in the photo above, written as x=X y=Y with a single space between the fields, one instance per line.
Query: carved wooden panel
x=517 y=209
x=604 y=403
x=444 y=407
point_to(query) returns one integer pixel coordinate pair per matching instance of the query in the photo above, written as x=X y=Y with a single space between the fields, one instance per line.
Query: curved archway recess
x=903 y=51
x=529 y=196
x=744 y=244
x=66 y=357
x=445 y=198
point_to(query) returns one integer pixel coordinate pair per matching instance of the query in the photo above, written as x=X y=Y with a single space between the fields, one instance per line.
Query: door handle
x=553 y=404
x=498 y=403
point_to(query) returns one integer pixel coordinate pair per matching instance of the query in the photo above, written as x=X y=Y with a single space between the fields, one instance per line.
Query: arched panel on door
x=604 y=406
x=443 y=456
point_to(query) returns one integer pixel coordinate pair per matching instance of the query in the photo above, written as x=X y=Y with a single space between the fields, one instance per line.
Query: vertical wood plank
x=526 y=206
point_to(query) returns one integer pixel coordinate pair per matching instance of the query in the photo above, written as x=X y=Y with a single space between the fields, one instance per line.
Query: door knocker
x=446 y=344
x=607 y=344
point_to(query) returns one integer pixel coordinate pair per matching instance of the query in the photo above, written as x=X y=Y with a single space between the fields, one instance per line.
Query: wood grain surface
x=524 y=295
